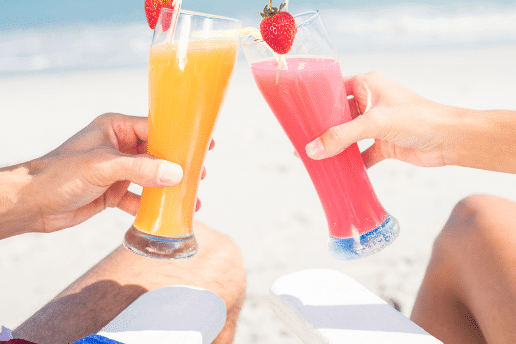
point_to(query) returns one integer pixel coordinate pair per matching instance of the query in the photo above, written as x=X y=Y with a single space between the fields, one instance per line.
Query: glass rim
x=199 y=14
x=315 y=14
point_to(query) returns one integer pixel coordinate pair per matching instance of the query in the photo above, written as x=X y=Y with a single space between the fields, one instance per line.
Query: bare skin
x=468 y=295
x=413 y=129
x=88 y=173
x=85 y=175
x=469 y=292
x=98 y=296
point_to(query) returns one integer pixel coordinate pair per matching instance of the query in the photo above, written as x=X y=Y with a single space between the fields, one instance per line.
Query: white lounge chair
x=320 y=306
x=326 y=306
x=177 y=314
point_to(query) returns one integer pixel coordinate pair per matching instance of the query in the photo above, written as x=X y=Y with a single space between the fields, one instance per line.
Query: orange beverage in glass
x=188 y=78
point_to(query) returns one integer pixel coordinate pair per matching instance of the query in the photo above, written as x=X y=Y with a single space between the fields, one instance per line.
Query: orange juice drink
x=186 y=88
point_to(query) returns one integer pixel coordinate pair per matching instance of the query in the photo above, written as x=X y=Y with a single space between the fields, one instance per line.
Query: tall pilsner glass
x=307 y=95
x=189 y=70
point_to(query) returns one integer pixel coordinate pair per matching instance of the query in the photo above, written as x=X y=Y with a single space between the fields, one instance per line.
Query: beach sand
x=256 y=191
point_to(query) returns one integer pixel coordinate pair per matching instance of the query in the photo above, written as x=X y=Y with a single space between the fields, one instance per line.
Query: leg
x=468 y=294
x=109 y=287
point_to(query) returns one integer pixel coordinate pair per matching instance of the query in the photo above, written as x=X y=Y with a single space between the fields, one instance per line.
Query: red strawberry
x=153 y=10
x=278 y=29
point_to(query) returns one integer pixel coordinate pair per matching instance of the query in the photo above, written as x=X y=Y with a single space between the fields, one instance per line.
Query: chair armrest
x=326 y=306
x=176 y=314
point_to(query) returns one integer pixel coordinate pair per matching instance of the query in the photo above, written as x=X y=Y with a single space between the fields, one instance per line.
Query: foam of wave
x=395 y=27
x=409 y=26
x=74 y=48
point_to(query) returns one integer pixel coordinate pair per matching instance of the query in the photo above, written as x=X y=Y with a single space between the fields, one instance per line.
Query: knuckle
x=139 y=167
x=364 y=79
x=373 y=75
x=371 y=78
x=123 y=130
x=102 y=118
x=106 y=119
x=108 y=115
x=361 y=78
x=336 y=134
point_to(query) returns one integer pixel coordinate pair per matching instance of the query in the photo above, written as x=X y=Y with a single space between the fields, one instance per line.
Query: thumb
x=142 y=169
x=338 y=138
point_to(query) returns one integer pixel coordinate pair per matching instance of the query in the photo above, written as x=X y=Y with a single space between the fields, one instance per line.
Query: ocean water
x=40 y=35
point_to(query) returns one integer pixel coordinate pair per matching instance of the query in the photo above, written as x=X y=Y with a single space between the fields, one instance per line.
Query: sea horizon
x=57 y=44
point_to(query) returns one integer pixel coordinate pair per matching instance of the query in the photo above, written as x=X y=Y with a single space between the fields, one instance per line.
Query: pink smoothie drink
x=308 y=98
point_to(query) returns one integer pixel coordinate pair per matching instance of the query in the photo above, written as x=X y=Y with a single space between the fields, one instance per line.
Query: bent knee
x=476 y=220
x=205 y=234
x=481 y=214
x=223 y=258
x=216 y=244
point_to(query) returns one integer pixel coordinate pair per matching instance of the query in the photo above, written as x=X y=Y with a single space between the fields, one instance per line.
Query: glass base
x=366 y=244
x=160 y=247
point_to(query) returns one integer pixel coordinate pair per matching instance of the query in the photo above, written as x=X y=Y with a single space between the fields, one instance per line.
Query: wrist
x=458 y=126
x=18 y=214
x=483 y=140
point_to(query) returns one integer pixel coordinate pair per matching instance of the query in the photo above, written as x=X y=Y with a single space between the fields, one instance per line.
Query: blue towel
x=96 y=339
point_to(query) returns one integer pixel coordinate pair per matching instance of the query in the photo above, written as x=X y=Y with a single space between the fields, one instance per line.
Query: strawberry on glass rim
x=153 y=10
x=278 y=28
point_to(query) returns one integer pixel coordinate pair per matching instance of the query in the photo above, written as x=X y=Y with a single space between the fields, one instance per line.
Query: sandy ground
x=256 y=191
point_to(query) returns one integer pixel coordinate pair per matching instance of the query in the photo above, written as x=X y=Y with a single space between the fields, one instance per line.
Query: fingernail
x=315 y=148
x=170 y=173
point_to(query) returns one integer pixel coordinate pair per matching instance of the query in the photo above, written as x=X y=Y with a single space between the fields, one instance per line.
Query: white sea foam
x=393 y=27
x=409 y=26
x=87 y=47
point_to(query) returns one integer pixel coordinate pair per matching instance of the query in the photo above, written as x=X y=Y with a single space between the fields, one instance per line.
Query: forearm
x=483 y=139
x=17 y=213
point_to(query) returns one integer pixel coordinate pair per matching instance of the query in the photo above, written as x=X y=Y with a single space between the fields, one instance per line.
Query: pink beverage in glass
x=305 y=90
x=308 y=99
